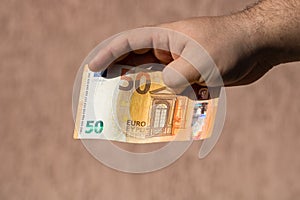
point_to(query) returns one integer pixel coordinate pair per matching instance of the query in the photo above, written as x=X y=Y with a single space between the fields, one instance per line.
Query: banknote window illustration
x=160 y=116
x=161 y=120
x=162 y=111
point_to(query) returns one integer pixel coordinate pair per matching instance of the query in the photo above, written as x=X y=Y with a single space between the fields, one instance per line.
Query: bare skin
x=244 y=45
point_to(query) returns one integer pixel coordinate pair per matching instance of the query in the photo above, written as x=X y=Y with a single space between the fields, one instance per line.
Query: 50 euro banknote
x=132 y=104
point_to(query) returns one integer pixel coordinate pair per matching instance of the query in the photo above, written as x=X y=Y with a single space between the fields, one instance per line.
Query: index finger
x=141 y=38
x=119 y=46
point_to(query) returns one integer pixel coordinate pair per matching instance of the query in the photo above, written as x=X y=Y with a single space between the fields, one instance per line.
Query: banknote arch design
x=119 y=159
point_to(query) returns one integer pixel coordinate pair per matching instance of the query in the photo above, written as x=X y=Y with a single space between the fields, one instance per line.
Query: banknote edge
x=80 y=102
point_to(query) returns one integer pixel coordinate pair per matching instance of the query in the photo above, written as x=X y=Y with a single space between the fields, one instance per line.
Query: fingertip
x=100 y=61
x=168 y=77
x=163 y=56
x=174 y=80
x=92 y=66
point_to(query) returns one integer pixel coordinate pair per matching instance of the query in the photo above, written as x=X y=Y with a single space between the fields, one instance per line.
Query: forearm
x=274 y=26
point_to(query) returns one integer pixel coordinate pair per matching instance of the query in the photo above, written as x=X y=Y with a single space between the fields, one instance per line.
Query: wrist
x=249 y=31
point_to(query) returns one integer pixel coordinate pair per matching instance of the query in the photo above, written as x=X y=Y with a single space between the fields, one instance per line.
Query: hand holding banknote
x=242 y=47
x=123 y=100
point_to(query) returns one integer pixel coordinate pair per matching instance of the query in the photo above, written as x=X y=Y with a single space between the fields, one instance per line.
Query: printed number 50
x=92 y=126
x=137 y=82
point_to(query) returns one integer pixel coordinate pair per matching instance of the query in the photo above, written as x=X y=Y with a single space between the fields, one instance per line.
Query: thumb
x=179 y=74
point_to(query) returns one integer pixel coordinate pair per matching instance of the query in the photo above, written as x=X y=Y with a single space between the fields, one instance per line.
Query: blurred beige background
x=42 y=45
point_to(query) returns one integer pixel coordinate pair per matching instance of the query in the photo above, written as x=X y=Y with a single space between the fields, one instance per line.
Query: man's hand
x=244 y=46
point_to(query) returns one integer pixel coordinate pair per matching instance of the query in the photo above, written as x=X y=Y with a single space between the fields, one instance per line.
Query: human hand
x=241 y=52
